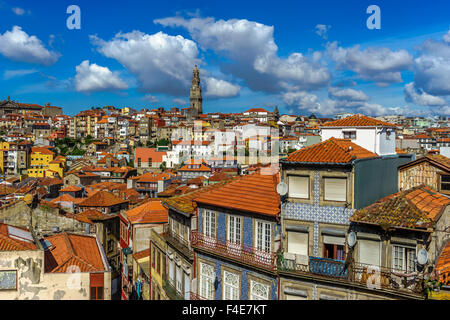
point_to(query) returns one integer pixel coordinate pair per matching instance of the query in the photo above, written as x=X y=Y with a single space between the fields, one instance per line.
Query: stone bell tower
x=196 y=93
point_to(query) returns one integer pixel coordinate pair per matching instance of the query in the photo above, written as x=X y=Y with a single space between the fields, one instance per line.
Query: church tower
x=196 y=93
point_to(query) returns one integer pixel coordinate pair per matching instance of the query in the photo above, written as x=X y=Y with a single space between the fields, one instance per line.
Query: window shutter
x=335 y=189
x=333 y=240
x=298 y=187
x=298 y=243
x=96 y=279
x=369 y=252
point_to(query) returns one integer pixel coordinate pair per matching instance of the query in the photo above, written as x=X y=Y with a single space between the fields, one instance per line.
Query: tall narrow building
x=196 y=93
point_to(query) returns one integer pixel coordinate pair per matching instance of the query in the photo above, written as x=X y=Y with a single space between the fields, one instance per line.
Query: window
x=369 y=252
x=445 y=183
x=335 y=189
x=403 y=258
x=96 y=293
x=230 y=286
x=153 y=257
x=333 y=247
x=258 y=291
x=110 y=245
x=298 y=187
x=350 y=135
x=149 y=162
x=179 y=280
x=158 y=262
x=234 y=230
x=139 y=162
x=96 y=286
x=171 y=271
x=297 y=243
x=210 y=224
x=8 y=280
x=388 y=135
x=263 y=235
x=207 y=281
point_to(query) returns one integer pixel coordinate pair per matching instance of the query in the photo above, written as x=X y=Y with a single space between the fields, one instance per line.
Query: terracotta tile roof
x=101 y=199
x=73 y=250
x=146 y=153
x=10 y=243
x=150 y=212
x=42 y=150
x=418 y=207
x=219 y=176
x=331 y=151
x=443 y=265
x=256 y=110
x=251 y=193
x=357 y=120
x=94 y=215
x=153 y=177
x=49 y=181
x=70 y=189
x=184 y=202
x=442 y=160
x=107 y=185
x=141 y=254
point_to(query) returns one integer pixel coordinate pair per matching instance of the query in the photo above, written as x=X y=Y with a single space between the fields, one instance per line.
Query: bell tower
x=196 y=93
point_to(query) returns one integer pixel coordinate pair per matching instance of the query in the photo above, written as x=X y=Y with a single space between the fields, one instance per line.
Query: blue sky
x=304 y=56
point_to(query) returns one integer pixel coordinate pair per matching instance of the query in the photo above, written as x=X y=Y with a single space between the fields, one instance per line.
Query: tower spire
x=196 y=93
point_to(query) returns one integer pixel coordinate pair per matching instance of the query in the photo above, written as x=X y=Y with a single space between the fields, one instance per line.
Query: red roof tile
x=357 y=120
x=331 y=151
x=254 y=193
x=69 y=250
x=150 y=212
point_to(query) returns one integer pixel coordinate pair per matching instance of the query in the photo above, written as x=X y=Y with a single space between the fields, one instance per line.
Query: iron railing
x=196 y=296
x=373 y=277
x=246 y=254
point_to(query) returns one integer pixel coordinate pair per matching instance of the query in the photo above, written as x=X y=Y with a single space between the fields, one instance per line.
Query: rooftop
x=331 y=151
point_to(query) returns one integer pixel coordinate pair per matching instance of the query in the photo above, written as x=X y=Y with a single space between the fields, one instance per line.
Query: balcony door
x=234 y=235
x=263 y=242
x=209 y=228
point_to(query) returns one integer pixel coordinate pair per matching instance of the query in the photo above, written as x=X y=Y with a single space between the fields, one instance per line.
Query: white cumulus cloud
x=380 y=65
x=19 y=46
x=162 y=63
x=92 y=78
x=421 y=98
x=252 y=54
x=322 y=30
x=220 y=88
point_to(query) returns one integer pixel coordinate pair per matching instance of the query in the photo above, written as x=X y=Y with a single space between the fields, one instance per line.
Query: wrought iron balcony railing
x=195 y=296
x=171 y=292
x=373 y=277
x=246 y=254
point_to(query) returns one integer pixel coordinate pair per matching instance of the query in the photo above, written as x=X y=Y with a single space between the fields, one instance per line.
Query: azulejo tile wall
x=316 y=213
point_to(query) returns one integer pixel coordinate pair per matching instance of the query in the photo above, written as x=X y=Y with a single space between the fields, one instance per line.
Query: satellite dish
x=422 y=256
x=282 y=188
x=351 y=239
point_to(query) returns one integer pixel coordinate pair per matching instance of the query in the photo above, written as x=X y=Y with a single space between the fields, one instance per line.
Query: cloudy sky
x=303 y=56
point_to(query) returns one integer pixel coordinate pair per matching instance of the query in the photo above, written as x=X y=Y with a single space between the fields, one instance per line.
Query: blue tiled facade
x=247 y=237
x=244 y=278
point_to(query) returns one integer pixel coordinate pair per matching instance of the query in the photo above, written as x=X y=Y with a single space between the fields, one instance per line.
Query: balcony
x=241 y=253
x=171 y=292
x=372 y=277
x=195 y=296
x=178 y=242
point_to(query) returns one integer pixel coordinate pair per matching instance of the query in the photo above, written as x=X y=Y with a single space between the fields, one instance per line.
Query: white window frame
x=401 y=258
x=263 y=236
x=230 y=285
x=207 y=281
x=255 y=295
x=209 y=223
